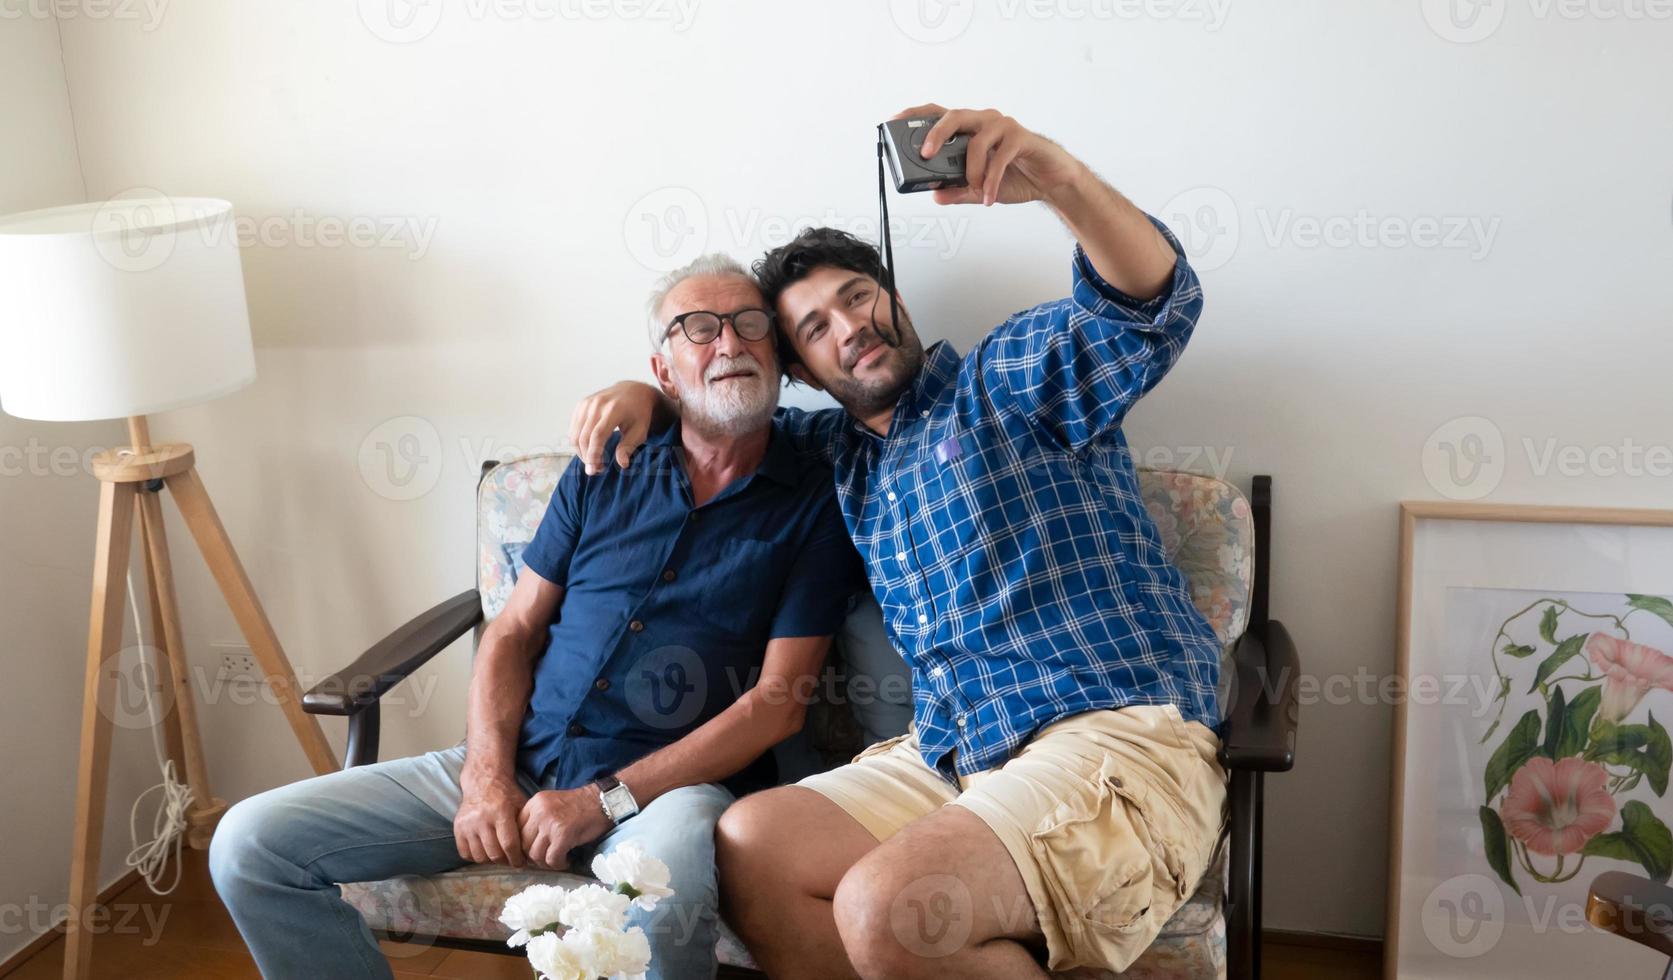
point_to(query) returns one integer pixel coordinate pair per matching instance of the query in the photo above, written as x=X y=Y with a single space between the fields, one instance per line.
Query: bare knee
x=750 y=842
x=752 y=825
x=786 y=843
x=892 y=926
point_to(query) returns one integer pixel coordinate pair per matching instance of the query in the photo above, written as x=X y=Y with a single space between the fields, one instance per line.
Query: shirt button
x=575 y=730
x=900 y=556
x=961 y=720
x=602 y=684
x=891 y=495
x=636 y=626
x=937 y=672
x=668 y=575
x=923 y=413
x=922 y=618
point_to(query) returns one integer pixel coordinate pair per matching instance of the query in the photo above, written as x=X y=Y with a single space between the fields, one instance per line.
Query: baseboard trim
x=1323 y=940
x=55 y=933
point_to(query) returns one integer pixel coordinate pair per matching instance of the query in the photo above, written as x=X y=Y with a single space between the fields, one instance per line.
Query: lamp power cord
x=168 y=826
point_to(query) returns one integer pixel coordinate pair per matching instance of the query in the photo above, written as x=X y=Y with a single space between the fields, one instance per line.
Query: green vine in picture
x=1552 y=782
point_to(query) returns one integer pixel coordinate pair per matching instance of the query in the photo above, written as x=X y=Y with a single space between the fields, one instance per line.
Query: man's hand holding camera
x=1007 y=163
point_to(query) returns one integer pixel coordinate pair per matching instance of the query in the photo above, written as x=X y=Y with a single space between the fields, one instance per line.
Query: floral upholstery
x=1206 y=527
x=1209 y=532
x=510 y=501
x=466 y=904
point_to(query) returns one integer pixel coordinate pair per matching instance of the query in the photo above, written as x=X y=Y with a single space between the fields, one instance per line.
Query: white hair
x=714 y=265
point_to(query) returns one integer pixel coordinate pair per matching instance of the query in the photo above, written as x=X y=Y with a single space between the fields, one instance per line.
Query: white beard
x=733 y=407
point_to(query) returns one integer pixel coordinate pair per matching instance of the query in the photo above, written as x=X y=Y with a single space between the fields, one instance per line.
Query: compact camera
x=904 y=140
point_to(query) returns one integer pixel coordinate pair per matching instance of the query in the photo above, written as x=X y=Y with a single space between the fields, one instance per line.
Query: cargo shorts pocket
x=1108 y=865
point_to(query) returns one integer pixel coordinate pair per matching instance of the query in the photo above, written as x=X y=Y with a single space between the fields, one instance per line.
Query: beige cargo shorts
x=1110 y=816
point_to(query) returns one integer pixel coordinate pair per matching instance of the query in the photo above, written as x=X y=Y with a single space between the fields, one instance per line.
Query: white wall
x=48 y=511
x=532 y=166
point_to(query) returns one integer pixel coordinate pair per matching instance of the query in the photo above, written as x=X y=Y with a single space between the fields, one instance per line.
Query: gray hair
x=714 y=265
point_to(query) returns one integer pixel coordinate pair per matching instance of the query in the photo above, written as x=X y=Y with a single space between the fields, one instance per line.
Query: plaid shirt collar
x=935 y=375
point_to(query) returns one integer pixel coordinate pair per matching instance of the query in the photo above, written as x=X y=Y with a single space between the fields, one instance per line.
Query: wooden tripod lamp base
x=111 y=309
x=132 y=481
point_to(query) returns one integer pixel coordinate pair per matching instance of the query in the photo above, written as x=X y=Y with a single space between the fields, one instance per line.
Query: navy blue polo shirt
x=667 y=609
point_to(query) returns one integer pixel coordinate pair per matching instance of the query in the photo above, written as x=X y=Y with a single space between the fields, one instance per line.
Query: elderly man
x=611 y=701
x=1059 y=796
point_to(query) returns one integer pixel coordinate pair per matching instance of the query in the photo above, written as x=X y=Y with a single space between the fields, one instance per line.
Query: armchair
x=1219 y=539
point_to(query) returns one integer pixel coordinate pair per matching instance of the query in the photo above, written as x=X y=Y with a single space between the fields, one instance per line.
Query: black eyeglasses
x=702 y=327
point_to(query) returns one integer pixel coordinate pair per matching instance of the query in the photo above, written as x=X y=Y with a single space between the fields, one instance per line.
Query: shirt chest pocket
x=961 y=486
x=742 y=579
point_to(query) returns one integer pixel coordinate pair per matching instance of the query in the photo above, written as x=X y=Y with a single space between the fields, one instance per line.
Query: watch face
x=619 y=802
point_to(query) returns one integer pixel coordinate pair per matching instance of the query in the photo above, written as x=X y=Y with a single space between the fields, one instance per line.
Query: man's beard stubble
x=864 y=398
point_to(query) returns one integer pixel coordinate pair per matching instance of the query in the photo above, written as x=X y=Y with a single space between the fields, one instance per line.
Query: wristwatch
x=616 y=798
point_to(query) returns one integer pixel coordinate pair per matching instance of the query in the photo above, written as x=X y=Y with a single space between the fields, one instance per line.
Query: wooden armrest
x=1632 y=906
x=394 y=657
x=1259 y=734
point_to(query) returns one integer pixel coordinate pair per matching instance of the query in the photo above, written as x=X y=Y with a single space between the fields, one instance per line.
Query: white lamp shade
x=119 y=308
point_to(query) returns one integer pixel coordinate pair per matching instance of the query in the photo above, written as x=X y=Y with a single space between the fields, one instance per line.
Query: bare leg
x=781 y=854
x=940 y=899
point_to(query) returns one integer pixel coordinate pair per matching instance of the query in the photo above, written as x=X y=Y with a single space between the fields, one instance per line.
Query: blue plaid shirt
x=1002 y=528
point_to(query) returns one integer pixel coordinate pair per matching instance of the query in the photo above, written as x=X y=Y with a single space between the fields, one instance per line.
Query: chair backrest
x=1206 y=526
x=511 y=499
x=1208 y=531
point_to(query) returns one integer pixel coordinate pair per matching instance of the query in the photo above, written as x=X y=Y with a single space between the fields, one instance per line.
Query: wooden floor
x=198 y=940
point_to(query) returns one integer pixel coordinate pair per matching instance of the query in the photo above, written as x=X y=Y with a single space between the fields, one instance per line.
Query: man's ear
x=664 y=375
x=801 y=373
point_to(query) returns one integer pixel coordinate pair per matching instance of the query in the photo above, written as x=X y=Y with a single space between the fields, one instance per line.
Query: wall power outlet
x=237 y=663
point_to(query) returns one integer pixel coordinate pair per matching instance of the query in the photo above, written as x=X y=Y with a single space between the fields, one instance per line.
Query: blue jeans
x=277 y=858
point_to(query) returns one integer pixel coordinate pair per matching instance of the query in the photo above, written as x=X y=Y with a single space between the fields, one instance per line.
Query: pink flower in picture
x=1554 y=808
x=1629 y=671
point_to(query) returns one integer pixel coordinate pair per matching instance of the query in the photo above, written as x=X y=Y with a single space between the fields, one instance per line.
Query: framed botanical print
x=1531 y=739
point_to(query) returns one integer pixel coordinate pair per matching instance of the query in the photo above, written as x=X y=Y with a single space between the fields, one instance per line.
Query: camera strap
x=886 y=271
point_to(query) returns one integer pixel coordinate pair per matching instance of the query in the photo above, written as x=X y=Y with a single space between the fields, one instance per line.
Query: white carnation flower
x=529 y=911
x=594 y=906
x=629 y=865
x=555 y=959
x=611 y=952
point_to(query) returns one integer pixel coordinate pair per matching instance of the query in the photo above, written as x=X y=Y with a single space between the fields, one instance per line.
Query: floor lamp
x=120 y=310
